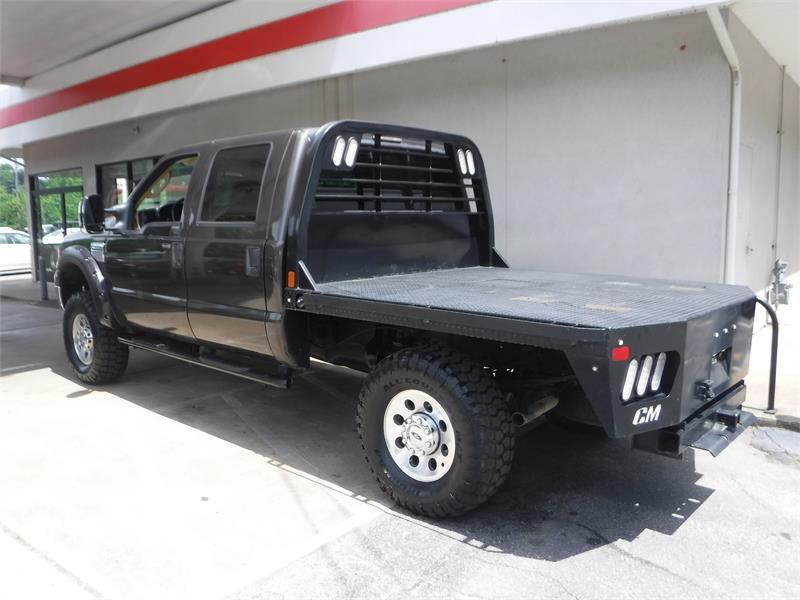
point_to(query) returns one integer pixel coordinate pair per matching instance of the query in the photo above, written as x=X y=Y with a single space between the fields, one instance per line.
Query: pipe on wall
x=782 y=92
x=725 y=42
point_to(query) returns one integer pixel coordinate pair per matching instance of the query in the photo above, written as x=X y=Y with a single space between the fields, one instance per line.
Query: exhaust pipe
x=534 y=410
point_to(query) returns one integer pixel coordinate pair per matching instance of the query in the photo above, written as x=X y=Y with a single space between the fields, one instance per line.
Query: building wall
x=789 y=207
x=760 y=240
x=606 y=150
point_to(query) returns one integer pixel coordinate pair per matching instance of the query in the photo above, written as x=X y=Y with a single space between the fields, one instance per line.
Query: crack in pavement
x=640 y=559
x=51 y=561
x=779 y=445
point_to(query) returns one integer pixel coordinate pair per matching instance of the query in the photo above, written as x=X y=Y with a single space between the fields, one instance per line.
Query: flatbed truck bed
x=565 y=299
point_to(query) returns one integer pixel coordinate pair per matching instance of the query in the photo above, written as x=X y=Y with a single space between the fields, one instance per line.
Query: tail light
x=661 y=362
x=645 y=375
x=630 y=379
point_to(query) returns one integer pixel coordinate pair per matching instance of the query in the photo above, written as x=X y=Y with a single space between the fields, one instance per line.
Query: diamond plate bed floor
x=600 y=301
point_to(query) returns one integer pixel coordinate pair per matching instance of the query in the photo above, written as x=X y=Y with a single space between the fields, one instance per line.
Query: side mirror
x=91 y=213
x=115 y=218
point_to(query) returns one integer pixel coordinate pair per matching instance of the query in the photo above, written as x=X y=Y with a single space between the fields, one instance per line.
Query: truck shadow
x=568 y=493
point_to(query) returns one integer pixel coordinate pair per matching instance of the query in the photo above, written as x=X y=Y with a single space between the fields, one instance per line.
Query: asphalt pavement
x=179 y=482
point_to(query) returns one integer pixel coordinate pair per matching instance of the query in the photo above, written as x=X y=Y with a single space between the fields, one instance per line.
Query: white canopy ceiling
x=776 y=24
x=36 y=36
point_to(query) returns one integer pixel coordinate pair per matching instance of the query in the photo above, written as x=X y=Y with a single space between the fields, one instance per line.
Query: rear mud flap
x=711 y=429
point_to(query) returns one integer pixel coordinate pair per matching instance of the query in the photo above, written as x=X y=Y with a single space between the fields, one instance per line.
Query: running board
x=210 y=363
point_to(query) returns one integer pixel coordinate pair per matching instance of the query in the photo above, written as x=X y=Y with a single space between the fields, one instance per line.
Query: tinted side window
x=163 y=200
x=234 y=184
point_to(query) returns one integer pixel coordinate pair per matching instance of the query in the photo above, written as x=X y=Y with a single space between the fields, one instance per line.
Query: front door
x=225 y=250
x=145 y=260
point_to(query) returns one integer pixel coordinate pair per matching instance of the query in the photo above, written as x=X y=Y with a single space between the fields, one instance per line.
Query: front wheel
x=436 y=431
x=94 y=352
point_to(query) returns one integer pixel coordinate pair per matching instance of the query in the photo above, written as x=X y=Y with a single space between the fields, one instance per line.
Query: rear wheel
x=94 y=352
x=436 y=431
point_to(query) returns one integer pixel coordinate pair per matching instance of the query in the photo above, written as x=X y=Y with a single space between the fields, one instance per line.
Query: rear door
x=224 y=253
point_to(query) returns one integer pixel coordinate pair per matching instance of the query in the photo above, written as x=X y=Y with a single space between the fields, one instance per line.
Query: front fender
x=80 y=257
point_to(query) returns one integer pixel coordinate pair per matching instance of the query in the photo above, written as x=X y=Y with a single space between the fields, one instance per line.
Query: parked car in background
x=15 y=251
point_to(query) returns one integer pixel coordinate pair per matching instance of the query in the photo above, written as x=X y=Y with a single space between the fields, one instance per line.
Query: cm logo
x=647 y=414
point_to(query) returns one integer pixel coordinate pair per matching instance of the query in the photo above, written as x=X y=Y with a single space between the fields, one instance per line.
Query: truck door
x=145 y=259
x=224 y=256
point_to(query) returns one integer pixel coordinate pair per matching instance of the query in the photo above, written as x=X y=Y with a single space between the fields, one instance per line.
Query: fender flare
x=100 y=288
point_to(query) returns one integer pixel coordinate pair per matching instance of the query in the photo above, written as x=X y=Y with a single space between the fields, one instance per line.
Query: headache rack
x=393 y=173
x=404 y=201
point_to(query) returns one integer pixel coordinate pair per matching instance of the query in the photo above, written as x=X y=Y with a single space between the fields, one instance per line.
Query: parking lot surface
x=179 y=482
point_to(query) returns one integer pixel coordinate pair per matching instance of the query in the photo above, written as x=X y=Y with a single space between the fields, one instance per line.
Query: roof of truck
x=313 y=130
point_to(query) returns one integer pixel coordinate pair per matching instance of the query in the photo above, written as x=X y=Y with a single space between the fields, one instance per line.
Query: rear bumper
x=712 y=428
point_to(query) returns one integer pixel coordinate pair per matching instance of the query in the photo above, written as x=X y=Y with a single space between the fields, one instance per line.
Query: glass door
x=56 y=200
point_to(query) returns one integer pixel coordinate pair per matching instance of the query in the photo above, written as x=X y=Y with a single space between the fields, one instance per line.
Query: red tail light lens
x=620 y=353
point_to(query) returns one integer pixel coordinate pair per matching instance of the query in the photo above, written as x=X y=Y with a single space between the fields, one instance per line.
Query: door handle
x=252 y=265
x=177 y=254
x=166 y=245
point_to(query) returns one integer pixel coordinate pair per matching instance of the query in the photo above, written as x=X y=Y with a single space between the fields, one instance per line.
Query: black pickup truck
x=372 y=246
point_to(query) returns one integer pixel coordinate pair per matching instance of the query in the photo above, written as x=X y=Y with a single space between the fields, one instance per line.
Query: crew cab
x=372 y=246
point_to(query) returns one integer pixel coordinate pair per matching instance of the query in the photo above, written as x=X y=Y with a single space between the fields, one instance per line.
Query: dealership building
x=643 y=138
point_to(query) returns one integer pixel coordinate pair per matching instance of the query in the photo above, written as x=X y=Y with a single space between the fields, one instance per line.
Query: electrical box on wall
x=779 y=292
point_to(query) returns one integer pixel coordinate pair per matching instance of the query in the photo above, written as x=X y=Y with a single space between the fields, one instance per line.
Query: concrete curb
x=765 y=419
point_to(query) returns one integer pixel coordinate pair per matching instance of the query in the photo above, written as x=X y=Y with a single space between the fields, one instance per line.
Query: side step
x=223 y=366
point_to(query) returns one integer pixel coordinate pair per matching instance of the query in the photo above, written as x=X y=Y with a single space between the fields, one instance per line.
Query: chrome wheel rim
x=82 y=339
x=419 y=435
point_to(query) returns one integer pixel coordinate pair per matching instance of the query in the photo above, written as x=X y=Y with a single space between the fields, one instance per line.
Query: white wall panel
x=789 y=214
x=618 y=139
x=761 y=77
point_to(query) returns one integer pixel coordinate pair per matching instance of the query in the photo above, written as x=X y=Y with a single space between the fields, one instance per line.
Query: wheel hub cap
x=419 y=435
x=83 y=339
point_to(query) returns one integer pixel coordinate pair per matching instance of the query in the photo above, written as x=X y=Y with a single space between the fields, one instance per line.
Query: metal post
x=64 y=213
x=773 y=360
x=42 y=277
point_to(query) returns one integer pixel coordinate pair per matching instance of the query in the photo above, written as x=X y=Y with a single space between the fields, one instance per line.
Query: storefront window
x=116 y=180
x=59 y=179
x=56 y=198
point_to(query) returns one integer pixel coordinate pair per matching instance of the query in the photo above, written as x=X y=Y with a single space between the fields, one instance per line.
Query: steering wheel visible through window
x=163 y=200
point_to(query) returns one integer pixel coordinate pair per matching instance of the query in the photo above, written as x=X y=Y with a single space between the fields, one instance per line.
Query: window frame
x=199 y=222
x=128 y=173
x=36 y=191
